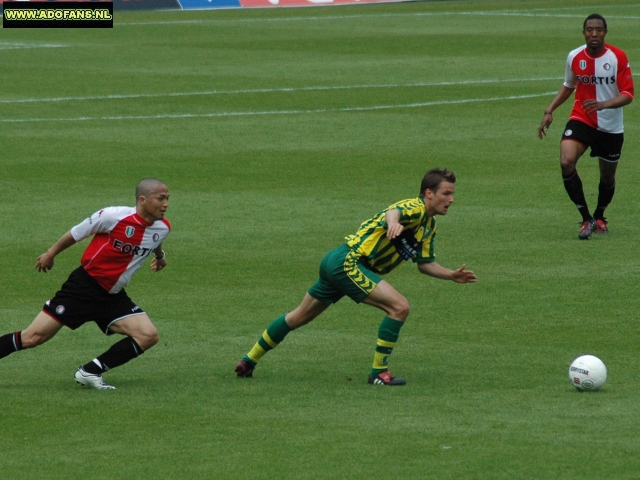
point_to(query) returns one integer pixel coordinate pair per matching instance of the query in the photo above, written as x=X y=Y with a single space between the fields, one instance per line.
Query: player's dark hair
x=147 y=186
x=595 y=16
x=434 y=177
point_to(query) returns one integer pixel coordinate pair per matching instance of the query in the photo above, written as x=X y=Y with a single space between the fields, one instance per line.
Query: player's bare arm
x=394 y=227
x=159 y=260
x=593 y=105
x=563 y=94
x=461 y=275
x=44 y=263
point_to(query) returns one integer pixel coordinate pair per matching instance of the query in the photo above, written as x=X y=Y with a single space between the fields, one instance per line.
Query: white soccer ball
x=587 y=373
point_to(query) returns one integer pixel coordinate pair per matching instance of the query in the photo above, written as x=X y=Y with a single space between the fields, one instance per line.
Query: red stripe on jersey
x=583 y=67
x=625 y=77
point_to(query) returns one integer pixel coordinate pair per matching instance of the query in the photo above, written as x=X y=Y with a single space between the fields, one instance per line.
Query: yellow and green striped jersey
x=372 y=244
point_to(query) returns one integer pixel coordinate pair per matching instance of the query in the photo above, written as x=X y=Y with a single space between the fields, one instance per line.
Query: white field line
x=275 y=112
x=273 y=90
x=20 y=46
x=379 y=15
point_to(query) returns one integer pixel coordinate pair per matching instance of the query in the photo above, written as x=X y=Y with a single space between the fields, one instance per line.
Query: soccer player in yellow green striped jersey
x=404 y=231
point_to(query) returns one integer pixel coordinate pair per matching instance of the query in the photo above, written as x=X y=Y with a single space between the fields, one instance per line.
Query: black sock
x=9 y=343
x=119 y=354
x=605 y=195
x=573 y=185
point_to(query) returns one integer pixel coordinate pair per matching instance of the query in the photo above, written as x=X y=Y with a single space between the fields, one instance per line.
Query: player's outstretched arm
x=44 y=263
x=461 y=275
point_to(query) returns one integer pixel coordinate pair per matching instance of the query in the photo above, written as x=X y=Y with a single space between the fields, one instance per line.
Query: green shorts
x=343 y=273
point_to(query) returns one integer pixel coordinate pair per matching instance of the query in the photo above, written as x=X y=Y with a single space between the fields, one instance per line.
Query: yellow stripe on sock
x=267 y=339
x=384 y=343
x=256 y=353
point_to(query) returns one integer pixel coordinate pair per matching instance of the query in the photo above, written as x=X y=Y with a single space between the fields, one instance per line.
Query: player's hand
x=463 y=276
x=157 y=265
x=44 y=263
x=544 y=125
x=591 y=105
x=394 y=230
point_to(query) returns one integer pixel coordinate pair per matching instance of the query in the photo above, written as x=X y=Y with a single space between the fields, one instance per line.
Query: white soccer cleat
x=92 y=381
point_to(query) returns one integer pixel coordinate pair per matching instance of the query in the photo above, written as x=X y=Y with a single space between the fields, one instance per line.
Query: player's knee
x=608 y=179
x=147 y=337
x=608 y=182
x=567 y=166
x=401 y=310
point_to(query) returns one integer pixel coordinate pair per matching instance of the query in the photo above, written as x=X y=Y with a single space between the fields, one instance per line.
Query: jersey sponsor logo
x=582 y=64
x=593 y=80
x=129 y=231
x=406 y=245
x=129 y=249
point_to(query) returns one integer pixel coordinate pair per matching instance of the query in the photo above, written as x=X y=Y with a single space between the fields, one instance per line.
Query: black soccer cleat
x=385 y=378
x=245 y=368
x=586 y=229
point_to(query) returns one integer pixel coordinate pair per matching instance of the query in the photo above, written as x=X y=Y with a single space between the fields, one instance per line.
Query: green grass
x=263 y=182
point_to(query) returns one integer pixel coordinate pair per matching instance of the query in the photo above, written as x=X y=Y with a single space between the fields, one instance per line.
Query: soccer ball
x=587 y=373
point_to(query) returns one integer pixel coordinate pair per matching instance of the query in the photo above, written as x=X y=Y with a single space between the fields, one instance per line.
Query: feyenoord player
x=123 y=238
x=601 y=77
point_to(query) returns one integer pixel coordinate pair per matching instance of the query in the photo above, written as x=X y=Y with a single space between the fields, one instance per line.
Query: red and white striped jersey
x=601 y=78
x=122 y=240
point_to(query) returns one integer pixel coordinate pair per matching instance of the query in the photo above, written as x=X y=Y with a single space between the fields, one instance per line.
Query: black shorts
x=81 y=299
x=607 y=146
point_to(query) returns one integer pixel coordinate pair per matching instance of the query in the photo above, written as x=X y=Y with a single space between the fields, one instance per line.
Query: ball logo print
x=587 y=373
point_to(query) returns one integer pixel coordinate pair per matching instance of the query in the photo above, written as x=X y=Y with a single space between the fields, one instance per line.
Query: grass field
x=278 y=131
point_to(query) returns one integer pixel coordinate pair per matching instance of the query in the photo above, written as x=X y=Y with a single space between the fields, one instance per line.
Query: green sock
x=270 y=339
x=387 y=337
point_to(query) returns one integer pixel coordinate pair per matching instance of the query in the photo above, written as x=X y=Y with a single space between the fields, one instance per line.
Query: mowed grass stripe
x=275 y=90
x=279 y=112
